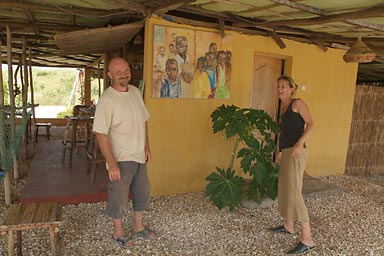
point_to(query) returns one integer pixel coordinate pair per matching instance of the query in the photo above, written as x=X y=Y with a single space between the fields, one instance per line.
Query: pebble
x=188 y=224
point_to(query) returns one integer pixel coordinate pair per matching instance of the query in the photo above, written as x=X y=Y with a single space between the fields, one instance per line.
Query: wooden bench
x=47 y=127
x=21 y=217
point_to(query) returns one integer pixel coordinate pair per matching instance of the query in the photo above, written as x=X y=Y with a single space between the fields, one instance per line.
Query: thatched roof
x=97 y=40
x=327 y=24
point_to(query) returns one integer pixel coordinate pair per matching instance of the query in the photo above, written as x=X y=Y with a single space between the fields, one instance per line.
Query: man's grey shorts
x=134 y=178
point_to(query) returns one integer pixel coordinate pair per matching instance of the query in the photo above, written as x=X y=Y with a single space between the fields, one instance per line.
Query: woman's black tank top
x=291 y=128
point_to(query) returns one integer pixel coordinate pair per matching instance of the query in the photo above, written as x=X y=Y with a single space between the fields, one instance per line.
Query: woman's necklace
x=285 y=107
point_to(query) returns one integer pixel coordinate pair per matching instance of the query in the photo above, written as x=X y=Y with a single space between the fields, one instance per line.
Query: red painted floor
x=51 y=180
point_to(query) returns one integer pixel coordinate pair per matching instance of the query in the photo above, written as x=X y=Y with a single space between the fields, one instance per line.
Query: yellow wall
x=183 y=146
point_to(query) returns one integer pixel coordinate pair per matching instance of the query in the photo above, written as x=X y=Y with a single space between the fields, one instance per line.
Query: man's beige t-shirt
x=122 y=116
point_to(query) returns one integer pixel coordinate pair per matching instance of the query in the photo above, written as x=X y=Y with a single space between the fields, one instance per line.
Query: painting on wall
x=191 y=64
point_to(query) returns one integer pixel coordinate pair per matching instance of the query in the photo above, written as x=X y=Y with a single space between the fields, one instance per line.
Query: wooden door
x=266 y=70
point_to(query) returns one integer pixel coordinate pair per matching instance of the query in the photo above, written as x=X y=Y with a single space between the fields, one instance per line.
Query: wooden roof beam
x=367 y=13
x=46 y=8
x=321 y=12
x=207 y=13
x=258 y=9
x=85 y=63
x=321 y=45
x=163 y=8
x=19 y=37
x=277 y=39
x=281 y=29
x=49 y=63
x=31 y=19
x=212 y=25
x=130 y=5
x=221 y=27
x=297 y=34
x=43 y=57
x=243 y=22
x=96 y=62
x=273 y=33
x=43 y=26
x=251 y=7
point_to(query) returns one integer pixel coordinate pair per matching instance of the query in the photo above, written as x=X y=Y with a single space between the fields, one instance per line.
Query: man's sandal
x=125 y=241
x=145 y=233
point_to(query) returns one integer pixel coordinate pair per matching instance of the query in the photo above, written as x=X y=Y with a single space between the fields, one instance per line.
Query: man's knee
x=141 y=198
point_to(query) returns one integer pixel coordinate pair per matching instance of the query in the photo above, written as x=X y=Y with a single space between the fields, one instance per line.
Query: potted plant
x=254 y=131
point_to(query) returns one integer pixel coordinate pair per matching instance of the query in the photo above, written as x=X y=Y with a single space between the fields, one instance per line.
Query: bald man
x=121 y=130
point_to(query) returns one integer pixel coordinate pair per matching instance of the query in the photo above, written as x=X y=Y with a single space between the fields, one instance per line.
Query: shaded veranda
x=50 y=179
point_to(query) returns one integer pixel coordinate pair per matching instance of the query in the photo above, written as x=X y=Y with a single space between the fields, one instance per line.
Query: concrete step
x=312 y=188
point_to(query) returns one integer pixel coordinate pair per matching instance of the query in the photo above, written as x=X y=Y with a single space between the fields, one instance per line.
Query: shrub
x=254 y=129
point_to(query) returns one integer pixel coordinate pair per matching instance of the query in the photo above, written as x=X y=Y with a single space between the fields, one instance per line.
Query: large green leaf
x=224 y=188
x=231 y=120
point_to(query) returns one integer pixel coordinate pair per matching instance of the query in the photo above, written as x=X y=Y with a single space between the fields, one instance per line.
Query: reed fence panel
x=366 y=140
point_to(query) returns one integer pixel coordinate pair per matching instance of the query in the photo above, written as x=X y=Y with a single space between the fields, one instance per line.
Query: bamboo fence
x=366 y=140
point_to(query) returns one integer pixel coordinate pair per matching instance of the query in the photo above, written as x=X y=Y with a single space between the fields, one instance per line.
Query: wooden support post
x=7 y=180
x=98 y=76
x=7 y=188
x=105 y=70
x=19 y=243
x=25 y=96
x=11 y=100
x=11 y=243
x=32 y=95
x=87 y=86
x=52 y=240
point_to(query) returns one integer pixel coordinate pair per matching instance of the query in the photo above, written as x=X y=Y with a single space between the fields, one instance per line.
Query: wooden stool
x=47 y=127
x=31 y=216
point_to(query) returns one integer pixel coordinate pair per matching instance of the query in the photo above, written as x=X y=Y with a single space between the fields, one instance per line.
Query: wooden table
x=31 y=216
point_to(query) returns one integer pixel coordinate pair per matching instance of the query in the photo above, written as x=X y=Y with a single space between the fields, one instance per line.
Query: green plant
x=66 y=112
x=254 y=130
x=225 y=188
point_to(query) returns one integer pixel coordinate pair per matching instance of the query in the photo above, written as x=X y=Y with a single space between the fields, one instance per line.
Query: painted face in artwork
x=171 y=69
x=162 y=51
x=181 y=45
x=213 y=48
x=221 y=58
x=210 y=60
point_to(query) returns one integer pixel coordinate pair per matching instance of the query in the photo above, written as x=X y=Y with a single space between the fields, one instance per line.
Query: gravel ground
x=188 y=224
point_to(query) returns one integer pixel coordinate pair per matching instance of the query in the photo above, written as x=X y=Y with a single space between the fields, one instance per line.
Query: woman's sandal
x=280 y=229
x=300 y=248
x=145 y=233
x=125 y=241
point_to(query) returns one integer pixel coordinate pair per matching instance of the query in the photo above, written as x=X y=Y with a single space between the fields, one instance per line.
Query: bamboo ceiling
x=324 y=23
